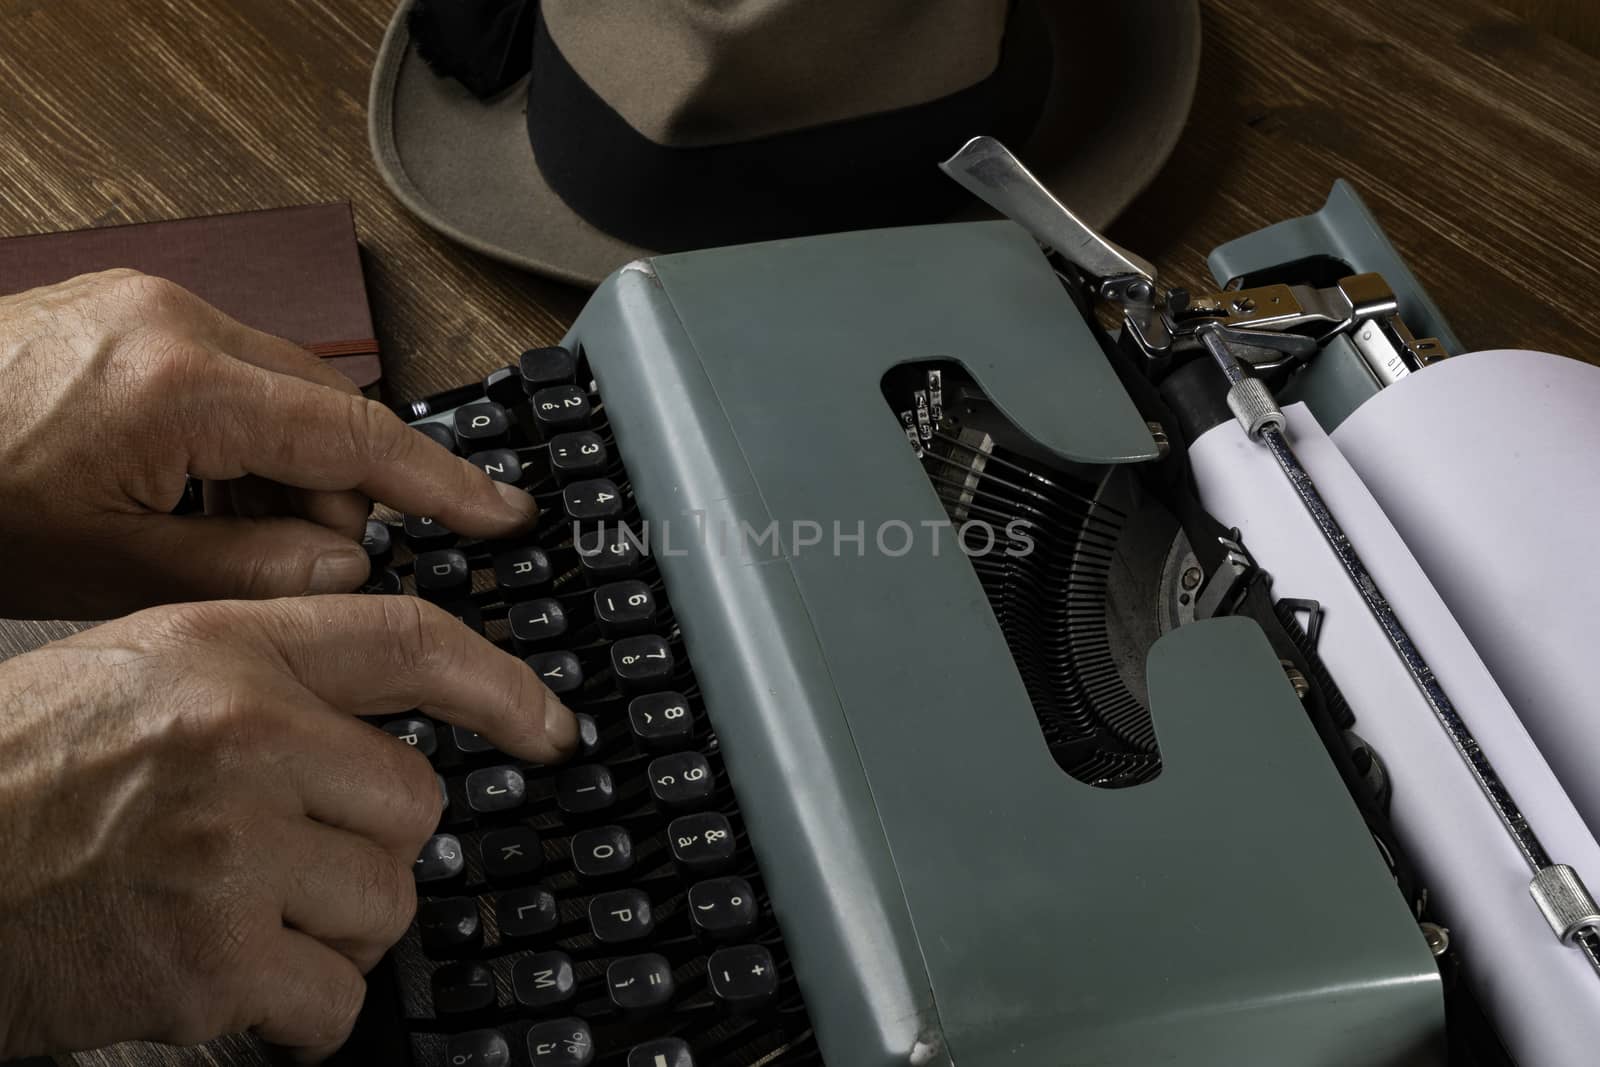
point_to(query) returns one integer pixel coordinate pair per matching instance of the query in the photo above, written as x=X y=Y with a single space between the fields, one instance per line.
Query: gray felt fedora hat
x=568 y=137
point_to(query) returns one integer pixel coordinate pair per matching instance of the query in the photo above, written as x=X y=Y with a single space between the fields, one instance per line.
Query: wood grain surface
x=1475 y=138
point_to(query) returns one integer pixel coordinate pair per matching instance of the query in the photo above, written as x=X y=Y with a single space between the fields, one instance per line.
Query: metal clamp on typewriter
x=1164 y=326
x=1362 y=306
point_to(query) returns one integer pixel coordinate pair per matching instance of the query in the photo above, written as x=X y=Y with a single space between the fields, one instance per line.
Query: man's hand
x=116 y=387
x=200 y=836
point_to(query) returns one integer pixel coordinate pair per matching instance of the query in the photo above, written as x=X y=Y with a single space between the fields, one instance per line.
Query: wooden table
x=1474 y=138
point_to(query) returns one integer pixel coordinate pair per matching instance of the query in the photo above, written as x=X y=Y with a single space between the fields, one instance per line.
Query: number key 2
x=558 y=409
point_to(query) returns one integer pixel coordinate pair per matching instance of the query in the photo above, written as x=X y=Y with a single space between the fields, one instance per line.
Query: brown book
x=294 y=272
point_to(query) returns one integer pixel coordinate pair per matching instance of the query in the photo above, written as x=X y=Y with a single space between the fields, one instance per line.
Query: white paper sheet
x=1489 y=466
x=1543 y=996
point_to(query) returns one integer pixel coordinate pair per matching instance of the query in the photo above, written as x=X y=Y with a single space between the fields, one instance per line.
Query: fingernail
x=339 y=571
x=560 y=726
x=520 y=503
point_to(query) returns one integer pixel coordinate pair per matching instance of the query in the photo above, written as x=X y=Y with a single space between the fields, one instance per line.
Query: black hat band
x=876 y=170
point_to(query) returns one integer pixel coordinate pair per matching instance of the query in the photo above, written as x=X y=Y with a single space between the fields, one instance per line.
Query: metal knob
x=1251 y=403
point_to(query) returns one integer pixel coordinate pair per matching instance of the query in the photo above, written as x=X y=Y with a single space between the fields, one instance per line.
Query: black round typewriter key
x=543 y=980
x=559 y=671
x=661 y=1052
x=383 y=582
x=641 y=663
x=424 y=534
x=500 y=464
x=534 y=622
x=526 y=913
x=493 y=789
x=588 y=736
x=681 y=780
x=661 y=722
x=462 y=989
x=418 y=733
x=723 y=909
x=483 y=1048
x=504 y=386
x=443 y=574
x=578 y=455
x=437 y=431
x=378 y=542
x=610 y=552
x=481 y=425
x=560 y=409
x=744 y=977
x=469 y=743
x=439 y=860
x=592 y=500
x=585 y=789
x=624 y=608
x=450 y=926
x=640 y=985
x=542 y=367
x=560 y=1043
x=620 y=916
x=522 y=572
x=701 y=843
x=603 y=852
x=510 y=854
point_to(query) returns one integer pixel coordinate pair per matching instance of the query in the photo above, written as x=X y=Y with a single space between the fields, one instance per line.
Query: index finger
x=372 y=655
x=247 y=420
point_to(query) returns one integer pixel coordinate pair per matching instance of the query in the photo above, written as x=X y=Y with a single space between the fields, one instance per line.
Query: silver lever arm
x=988 y=170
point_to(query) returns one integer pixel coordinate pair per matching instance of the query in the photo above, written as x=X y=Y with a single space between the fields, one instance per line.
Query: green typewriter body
x=1015 y=774
x=948 y=892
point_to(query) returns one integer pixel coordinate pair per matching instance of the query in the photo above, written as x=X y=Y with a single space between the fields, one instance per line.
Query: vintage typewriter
x=928 y=718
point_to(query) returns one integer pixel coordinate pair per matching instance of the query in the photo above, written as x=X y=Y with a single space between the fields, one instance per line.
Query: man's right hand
x=201 y=838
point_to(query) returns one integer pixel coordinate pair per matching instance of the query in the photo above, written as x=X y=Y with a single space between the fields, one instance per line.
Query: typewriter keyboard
x=609 y=910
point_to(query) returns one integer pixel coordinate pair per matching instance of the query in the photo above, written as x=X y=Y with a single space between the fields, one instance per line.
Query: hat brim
x=1124 y=81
